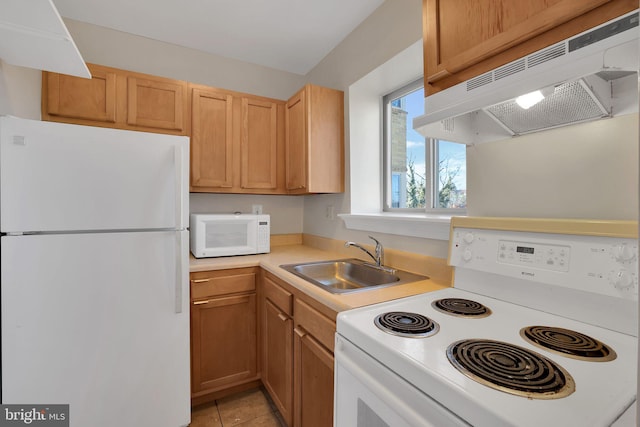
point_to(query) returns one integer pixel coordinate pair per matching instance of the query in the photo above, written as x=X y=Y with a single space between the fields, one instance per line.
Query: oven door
x=367 y=394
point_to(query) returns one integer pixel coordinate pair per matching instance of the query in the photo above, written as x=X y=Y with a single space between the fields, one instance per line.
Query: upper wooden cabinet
x=240 y=143
x=116 y=98
x=259 y=144
x=465 y=38
x=211 y=139
x=315 y=141
x=237 y=142
x=68 y=97
x=156 y=103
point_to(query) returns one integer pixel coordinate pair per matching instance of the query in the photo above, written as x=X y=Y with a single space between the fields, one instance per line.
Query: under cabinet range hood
x=33 y=35
x=589 y=76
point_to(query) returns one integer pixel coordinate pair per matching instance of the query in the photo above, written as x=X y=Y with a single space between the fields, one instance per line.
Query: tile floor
x=247 y=409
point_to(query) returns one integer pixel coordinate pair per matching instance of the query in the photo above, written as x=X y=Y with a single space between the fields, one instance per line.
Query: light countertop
x=291 y=254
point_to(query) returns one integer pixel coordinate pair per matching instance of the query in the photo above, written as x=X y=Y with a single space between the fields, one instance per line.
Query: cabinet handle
x=438 y=76
x=200 y=302
x=300 y=332
x=201 y=280
x=282 y=317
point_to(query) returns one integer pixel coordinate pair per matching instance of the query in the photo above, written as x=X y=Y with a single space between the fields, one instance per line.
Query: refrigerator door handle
x=178 y=160
x=179 y=267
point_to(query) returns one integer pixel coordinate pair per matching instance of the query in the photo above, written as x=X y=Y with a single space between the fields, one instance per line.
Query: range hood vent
x=518 y=66
x=609 y=51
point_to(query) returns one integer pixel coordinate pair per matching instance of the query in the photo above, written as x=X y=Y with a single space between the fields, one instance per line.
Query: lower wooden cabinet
x=313 y=381
x=297 y=354
x=224 y=344
x=277 y=348
x=248 y=326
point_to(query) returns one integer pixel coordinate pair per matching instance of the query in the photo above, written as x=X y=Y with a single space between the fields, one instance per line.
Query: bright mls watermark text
x=34 y=415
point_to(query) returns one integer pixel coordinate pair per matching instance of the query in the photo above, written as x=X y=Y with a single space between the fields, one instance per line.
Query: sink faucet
x=378 y=258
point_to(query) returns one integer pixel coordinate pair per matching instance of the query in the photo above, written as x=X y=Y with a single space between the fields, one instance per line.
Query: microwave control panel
x=264 y=235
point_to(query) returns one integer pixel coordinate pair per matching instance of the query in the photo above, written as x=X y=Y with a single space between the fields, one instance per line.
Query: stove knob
x=621 y=280
x=623 y=253
x=468 y=237
x=467 y=255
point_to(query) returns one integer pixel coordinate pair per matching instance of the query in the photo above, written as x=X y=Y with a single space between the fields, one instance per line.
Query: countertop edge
x=299 y=253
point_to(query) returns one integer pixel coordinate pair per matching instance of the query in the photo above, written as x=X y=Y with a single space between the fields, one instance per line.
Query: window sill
x=426 y=226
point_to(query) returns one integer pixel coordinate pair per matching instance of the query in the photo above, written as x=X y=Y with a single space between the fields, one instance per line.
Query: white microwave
x=214 y=235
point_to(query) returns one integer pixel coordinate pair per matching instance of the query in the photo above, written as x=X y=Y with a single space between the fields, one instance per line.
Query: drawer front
x=315 y=323
x=222 y=282
x=278 y=296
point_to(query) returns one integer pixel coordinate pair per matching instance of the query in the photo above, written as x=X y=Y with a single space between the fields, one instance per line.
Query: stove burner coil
x=568 y=343
x=510 y=369
x=412 y=325
x=461 y=307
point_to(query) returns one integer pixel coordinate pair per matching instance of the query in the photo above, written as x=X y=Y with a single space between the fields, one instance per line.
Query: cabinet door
x=313 y=382
x=157 y=103
x=325 y=170
x=211 y=139
x=296 y=142
x=461 y=34
x=77 y=98
x=259 y=144
x=277 y=372
x=224 y=343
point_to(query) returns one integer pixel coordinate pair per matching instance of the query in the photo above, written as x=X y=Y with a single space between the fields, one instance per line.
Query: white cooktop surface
x=604 y=390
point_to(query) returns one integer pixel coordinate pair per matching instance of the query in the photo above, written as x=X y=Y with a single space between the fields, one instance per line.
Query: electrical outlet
x=330 y=213
x=256 y=209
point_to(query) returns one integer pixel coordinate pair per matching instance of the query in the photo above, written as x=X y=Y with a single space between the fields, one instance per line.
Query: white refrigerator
x=94 y=256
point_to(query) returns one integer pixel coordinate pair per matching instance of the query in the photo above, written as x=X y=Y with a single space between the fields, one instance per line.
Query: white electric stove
x=540 y=329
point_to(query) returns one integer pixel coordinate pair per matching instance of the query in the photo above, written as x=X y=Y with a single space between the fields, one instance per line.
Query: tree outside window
x=420 y=173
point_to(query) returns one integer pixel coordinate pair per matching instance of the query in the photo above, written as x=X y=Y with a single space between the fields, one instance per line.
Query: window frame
x=431 y=153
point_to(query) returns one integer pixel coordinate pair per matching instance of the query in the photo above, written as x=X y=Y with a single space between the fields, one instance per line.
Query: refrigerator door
x=59 y=177
x=100 y=322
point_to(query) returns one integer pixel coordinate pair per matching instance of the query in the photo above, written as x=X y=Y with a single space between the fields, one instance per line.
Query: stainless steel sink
x=350 y=275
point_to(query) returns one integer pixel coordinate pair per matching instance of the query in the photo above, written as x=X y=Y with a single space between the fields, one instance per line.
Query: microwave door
x=226 y=238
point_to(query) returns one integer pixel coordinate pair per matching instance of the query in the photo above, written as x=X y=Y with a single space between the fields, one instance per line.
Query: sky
x=416 y=147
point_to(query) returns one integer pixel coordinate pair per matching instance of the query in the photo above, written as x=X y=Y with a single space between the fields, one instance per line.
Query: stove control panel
x=546 y=257
x=602 y=265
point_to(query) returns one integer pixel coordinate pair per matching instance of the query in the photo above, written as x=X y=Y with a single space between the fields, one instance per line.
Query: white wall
x=117 y=49
x=387 y=32
x=285 y=211
x=20 y=91
x=585 y=171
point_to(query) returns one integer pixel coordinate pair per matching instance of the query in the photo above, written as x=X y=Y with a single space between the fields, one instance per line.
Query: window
x=421 y=174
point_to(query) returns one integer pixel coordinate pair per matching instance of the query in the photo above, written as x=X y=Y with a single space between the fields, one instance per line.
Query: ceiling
x=289 y=35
